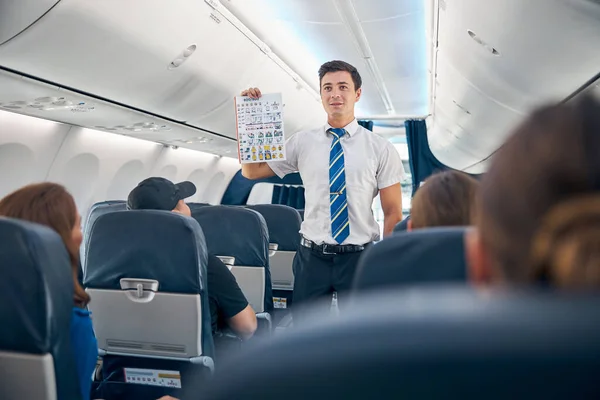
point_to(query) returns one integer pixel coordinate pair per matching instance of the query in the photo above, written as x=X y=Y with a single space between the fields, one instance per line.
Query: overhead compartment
x=497 y=61
x=179 y=59
x=16 y=16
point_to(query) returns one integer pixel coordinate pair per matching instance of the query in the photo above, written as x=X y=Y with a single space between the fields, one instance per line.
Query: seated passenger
x=445 y=199
x=539 y=212
x=51 y=205
x=228 y=305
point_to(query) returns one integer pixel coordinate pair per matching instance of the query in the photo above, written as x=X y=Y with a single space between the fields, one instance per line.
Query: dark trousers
x=318 y=275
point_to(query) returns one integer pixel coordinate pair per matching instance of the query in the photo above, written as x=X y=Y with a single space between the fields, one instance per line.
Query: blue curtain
x=239 y=188
x=366 y=124
x=292 y=196
x=421 y=160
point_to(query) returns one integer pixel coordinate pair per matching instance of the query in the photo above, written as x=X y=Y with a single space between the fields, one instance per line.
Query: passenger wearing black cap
x=228 y=305
x=161 y=194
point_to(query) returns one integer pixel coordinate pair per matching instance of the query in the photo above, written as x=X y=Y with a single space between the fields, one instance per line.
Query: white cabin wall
x=27 y=149
x=96 y=166
x=210 y=173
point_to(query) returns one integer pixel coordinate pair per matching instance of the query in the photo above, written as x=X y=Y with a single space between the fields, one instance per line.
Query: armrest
x=227 y=260
x=265 y=324
x=273 y=249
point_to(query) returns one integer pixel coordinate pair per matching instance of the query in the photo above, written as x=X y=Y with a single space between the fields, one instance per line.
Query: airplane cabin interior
x=97 y=96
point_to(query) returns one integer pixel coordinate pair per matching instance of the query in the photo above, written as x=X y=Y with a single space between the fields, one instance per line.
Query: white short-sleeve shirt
x=371 y=163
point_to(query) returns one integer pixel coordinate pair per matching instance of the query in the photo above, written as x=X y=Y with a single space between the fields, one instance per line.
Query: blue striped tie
x=338 y=204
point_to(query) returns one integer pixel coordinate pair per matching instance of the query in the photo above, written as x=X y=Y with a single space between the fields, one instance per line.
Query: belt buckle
x=326 y=252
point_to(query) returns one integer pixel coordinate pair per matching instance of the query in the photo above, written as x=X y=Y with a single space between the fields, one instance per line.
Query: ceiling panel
x=309 y=33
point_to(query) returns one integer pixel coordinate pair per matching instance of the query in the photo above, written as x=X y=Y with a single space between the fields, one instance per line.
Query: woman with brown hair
x=539 y=215
x=51 y=205
x=445 y=199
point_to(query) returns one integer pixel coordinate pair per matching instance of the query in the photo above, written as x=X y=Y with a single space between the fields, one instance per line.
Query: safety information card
x=259 y=125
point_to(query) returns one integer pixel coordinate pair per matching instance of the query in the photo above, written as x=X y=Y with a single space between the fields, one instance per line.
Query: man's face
x=338 y=95
x=183 y=208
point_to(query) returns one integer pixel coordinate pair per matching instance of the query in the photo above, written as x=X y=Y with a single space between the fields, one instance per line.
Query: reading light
x=182 y=57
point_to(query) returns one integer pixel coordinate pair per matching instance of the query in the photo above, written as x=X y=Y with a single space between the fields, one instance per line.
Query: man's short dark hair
x=337 y=65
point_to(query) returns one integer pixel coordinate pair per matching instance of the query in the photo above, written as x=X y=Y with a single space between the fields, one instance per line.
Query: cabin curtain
x=421 y=160
x=292 y=196
x=366 y=124
x=239 y=188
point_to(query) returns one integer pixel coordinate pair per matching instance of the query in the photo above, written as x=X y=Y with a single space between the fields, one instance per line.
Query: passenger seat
x=96 y=210
x=429 y=343
x=423 y=256
x=241 y=235
x=36 y=298
x=147 y=278
x=283 y=223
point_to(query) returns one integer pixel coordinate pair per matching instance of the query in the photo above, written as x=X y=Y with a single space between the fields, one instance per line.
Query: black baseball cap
x=159 y=194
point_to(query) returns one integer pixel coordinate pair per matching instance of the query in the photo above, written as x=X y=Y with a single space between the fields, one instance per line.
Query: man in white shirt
x=342 y=166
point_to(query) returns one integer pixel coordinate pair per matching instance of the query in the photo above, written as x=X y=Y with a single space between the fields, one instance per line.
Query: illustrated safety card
x=260 y=128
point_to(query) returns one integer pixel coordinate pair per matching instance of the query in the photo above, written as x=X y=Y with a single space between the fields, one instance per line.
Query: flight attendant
x=343 y=166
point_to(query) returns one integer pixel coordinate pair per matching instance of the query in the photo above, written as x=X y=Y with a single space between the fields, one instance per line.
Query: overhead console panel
x=178 y=59
x=30 y=97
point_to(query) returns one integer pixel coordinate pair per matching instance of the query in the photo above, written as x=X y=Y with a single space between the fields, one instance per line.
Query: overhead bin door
x=16 y=16
x=123 y=50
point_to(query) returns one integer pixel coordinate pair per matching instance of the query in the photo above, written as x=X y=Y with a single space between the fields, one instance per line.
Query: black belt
x=332 y=248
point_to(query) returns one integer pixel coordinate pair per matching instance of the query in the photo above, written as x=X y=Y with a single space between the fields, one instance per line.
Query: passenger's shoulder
x=217 y=269
x=215 y=262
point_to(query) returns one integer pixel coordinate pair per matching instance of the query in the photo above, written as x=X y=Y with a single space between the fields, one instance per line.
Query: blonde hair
x=445 y=199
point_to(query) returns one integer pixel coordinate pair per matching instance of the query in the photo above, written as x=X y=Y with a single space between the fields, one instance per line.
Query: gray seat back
x=147 y=275
x=283 y=223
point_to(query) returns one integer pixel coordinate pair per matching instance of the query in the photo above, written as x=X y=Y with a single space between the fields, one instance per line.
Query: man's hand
x=253 y=93
x=255 y=170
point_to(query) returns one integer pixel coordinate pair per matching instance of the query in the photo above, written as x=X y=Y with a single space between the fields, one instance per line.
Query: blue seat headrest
x=235 y=231
x=452 y=343
x=36 y=294
x=148 y=244
x=194 y=206
x=402 y=225
x=421 y=256
x=283 y=223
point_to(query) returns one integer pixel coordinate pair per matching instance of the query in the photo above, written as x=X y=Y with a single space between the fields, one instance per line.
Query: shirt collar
x=351 y=128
